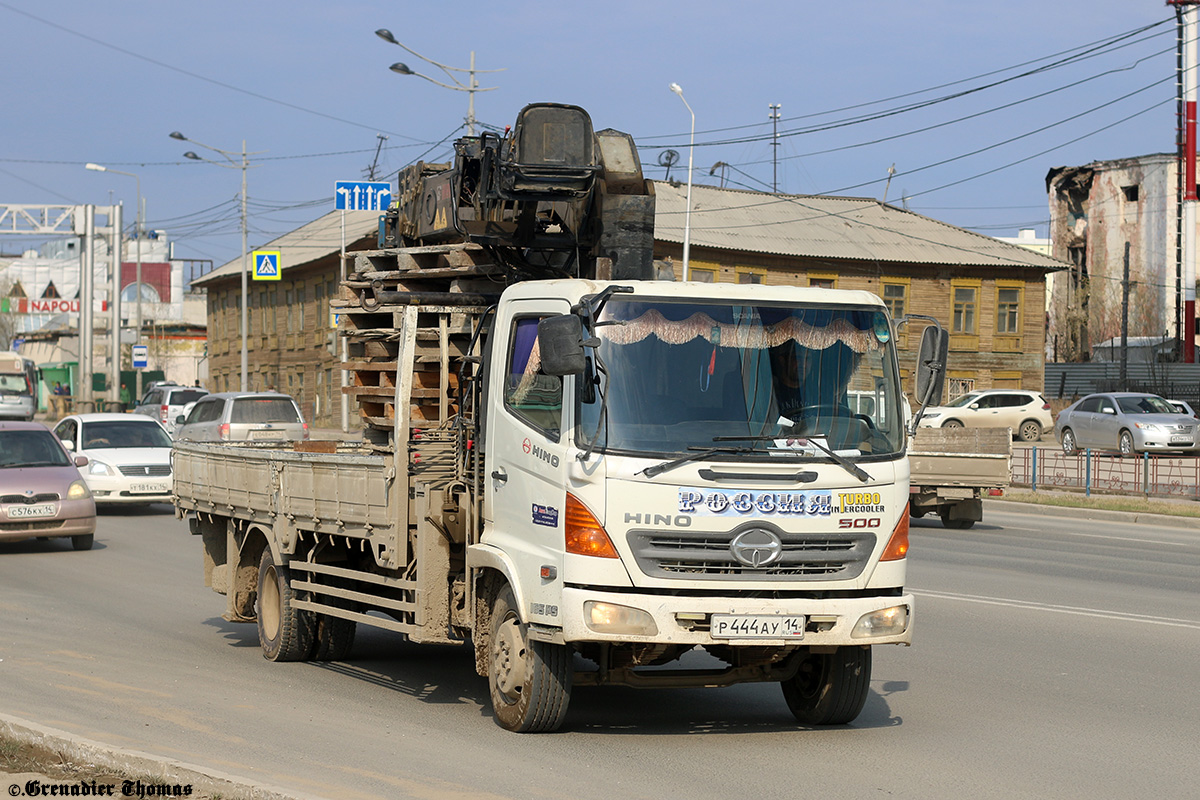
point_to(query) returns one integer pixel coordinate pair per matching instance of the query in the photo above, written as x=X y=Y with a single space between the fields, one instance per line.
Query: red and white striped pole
x=1189 y=183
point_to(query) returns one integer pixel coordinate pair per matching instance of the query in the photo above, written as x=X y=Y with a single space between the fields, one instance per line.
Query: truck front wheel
x=285 y=632
x=830 y=688
x=530 y=681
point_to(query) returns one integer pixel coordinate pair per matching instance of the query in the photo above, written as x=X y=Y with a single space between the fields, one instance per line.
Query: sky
x=970 y=103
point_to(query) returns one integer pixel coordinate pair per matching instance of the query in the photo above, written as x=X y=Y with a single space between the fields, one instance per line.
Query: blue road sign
x=361 y=196
x=141 y=356
x=266 y=265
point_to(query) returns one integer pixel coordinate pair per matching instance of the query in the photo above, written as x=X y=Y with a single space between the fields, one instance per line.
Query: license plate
x=1181 y=440
x=32 y=512
x=756 y=626
x=266 y=434
x=147 y=488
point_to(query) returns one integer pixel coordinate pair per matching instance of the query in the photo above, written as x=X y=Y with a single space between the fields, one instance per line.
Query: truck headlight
x=612 y=618
x=885 y=622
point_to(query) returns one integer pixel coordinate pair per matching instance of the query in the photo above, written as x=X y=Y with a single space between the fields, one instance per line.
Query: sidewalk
x=1080 y=507
x=76 y=762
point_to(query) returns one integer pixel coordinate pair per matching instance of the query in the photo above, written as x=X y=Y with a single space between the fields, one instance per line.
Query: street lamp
x=471 y=87
x=242 y=165
x=687 y=215
x=138 y=273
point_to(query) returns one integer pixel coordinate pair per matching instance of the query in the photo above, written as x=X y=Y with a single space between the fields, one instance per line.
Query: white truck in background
x=586 y=478
x=17 y=398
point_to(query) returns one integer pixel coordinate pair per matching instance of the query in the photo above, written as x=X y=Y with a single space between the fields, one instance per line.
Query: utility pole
x=1125 y=285
x=773 y=115
x=1185 y=273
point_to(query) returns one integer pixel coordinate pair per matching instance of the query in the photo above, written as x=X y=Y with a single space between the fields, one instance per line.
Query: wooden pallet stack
x=404 y=354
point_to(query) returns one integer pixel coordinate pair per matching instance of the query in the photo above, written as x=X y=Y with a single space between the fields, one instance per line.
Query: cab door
x=526 y=446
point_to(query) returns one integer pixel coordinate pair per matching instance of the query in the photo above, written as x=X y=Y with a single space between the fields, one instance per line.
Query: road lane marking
x=1074 y=610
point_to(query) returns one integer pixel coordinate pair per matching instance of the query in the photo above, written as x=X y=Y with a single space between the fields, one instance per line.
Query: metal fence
x=1090 y=470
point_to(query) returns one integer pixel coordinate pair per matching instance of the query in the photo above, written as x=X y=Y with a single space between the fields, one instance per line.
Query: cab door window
x=529 y=394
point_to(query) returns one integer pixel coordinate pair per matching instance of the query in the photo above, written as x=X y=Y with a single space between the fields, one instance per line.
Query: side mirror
x=81 y=461
x=931 y=365
x=974 y=406
x=180 y=419
x=560 y=340
x=68 y=445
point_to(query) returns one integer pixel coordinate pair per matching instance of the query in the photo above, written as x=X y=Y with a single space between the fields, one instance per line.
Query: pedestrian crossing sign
x=266 y=265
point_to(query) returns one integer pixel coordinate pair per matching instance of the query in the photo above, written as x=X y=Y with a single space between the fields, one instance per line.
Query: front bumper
x=117 y=490
x=11 y=531
x=684 y=620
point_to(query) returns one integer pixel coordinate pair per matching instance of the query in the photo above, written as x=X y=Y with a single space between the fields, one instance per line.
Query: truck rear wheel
x=333 y=638
x=284 y=632
x=956 y=524
x=530 y=681
x=830 y=688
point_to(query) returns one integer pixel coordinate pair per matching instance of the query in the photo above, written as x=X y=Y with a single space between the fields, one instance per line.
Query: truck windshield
x=681 y=375
x=13 y=384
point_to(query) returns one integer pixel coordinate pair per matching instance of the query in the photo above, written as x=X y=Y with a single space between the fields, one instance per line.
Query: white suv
x=1027 y=413
x=166 y=401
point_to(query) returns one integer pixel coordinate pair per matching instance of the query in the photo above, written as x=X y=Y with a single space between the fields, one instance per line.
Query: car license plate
x=33 y=512
x=756 y=626
x=147 y=488
x=266 y=434
x=1181 y=440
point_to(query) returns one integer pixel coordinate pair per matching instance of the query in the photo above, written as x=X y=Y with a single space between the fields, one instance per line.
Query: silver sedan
x=1125 y=421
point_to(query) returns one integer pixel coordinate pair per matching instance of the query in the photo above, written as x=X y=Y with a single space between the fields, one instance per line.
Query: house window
x=961 y=386
x=965 y=298
x=895 y=296
x=822 y=280
x=702 y=275
x=751 y=275
x=1008 y=310
x=1131 y=193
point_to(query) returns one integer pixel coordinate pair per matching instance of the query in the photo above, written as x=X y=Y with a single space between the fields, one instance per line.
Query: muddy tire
x=1069 y=445
x=1030 y=431
x=1125 y=444
x=530 y=681
x=83 y=541
x=333 y=638
x=956 y=524
x=284 y=632
x=830 y=688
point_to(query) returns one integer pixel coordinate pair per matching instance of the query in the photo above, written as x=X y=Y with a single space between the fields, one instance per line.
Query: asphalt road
x=1051 y=659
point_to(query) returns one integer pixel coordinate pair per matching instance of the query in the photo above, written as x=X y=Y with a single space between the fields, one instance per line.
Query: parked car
x=1026 y=412
x=1184 y=407
x=41 y=493
x=165 y=402
x=1126 y=421
x=242 y=417
x=129 y=456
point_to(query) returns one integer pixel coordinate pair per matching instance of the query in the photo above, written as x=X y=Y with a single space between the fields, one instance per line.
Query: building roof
x=850 y=228
x=315 y=240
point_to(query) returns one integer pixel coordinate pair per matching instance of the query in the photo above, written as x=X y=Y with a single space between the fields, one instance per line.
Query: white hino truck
x=590 y=475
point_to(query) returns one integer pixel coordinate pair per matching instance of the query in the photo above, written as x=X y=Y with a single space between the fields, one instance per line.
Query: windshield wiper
x=699 y=455
x=840 y=460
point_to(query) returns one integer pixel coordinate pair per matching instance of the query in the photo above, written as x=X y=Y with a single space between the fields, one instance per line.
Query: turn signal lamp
x=584 y=534
x=897 y=546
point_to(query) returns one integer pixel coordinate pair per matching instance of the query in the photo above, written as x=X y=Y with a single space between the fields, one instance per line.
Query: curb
x=99 y=757
x=1095 y=513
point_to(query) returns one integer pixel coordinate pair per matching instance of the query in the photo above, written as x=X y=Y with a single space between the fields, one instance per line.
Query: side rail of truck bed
x=337 y=493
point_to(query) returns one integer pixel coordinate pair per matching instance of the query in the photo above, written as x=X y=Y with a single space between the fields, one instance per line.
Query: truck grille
x=153 y=470
x=697 y=555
